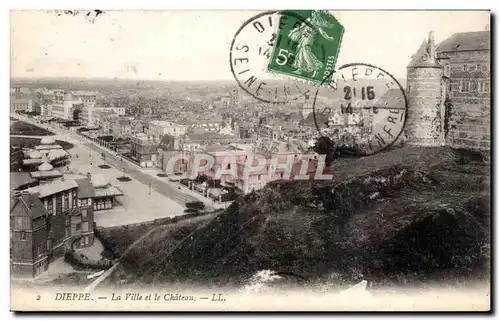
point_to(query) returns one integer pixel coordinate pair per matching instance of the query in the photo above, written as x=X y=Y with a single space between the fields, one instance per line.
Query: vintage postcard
x=286 y=160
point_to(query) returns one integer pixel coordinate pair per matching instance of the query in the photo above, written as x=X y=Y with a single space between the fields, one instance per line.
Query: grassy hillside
x=405 y=216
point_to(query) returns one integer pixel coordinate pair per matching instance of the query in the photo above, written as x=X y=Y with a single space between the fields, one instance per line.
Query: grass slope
x=405 y=216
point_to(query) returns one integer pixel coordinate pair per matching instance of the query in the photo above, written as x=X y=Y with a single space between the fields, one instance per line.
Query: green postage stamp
x=307 y=45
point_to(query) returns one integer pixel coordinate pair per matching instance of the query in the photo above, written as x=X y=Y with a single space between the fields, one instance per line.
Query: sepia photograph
x=242 y=160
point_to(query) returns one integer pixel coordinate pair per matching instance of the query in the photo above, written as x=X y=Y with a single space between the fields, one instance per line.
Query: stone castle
x=448 y=89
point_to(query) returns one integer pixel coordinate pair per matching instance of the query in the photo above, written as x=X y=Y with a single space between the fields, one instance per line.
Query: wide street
x=147 y=197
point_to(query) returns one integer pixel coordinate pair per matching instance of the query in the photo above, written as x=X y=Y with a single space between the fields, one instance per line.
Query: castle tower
x=424 y=90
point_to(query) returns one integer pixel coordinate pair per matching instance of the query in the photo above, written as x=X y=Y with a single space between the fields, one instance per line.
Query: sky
x=194 y=45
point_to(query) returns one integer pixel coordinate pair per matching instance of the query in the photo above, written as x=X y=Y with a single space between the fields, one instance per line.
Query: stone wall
x=469 y=112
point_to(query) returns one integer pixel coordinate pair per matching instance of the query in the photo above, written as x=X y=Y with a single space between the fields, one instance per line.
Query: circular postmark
x=363 y=109
x=249 y=55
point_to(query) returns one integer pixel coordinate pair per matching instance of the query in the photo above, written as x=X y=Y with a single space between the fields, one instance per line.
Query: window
x=49 y=244
x=50 y=206
x=21 y=222
x=54 y=204
x=79 y=203
x=84 y=212
x=447 y=71
x=62 y=201
x=85 y=227
x=465 y=85
x=89 y=201
x=78 y=226
x=23 y=236
x=74 y=198
x=483 y=86
x=65 y=201
x=473 y=86
x=478 y=67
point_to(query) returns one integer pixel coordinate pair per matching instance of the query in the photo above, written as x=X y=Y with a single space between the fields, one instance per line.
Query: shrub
x=82 y=261
x=198 y=205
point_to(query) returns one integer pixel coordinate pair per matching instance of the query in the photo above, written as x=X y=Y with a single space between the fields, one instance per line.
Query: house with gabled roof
x=47 y=219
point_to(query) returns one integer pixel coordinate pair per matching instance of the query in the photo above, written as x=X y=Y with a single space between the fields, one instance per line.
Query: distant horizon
x=148 y=79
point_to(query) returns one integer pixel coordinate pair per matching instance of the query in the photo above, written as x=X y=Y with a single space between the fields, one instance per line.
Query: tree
x=76 y=114
x=325 y=146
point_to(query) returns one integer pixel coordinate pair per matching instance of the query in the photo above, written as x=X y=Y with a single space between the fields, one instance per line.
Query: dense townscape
x=100 y=166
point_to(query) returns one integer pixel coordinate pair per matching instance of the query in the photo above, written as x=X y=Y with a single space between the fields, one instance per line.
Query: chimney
x=28 y=198
x=431 y=47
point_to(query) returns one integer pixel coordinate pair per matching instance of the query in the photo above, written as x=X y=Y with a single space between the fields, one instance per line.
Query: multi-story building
x=448 y=88
x=466 y=69
x=158 y=128
x=47 y=218
x=105 y=120
x=21 y=104
x=46 y=109
x=144 y=149
x=64 y=102
x=121 y=127
x=236 y=154
x=120 y=111
x=138 y=126
x=91 y=115
x=62 y=105
x=88 y=101
x=207 y=126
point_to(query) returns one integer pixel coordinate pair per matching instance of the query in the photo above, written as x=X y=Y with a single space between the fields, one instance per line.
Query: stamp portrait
x=307 y=45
